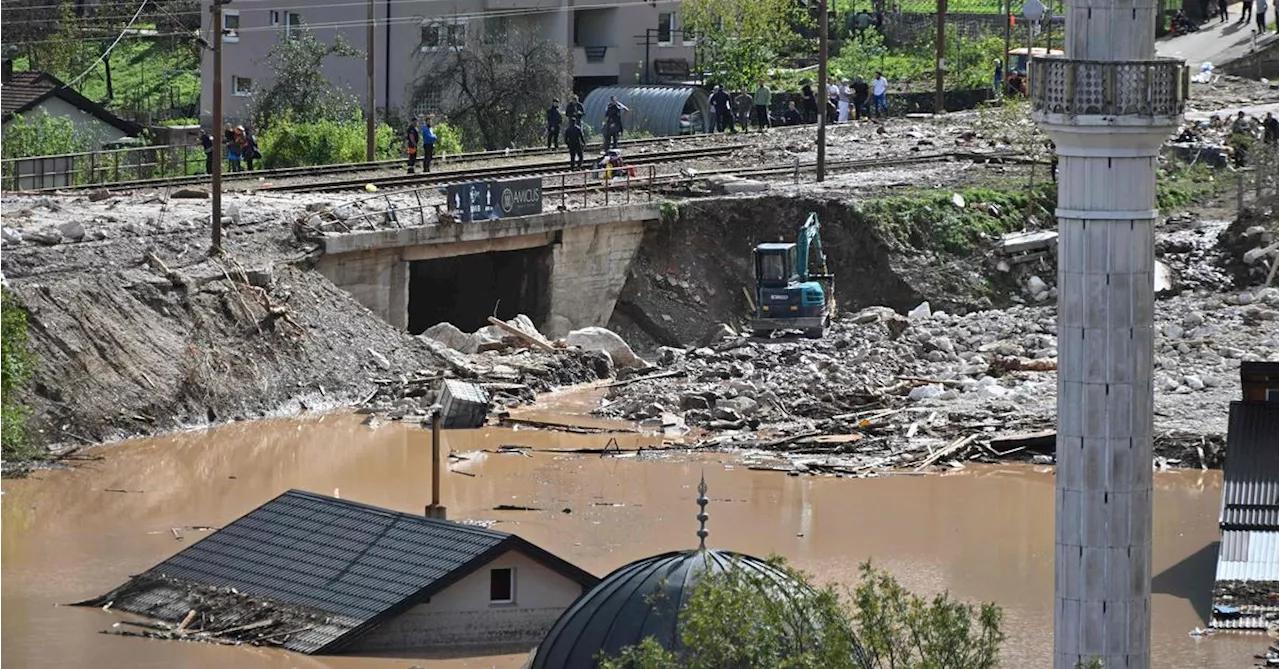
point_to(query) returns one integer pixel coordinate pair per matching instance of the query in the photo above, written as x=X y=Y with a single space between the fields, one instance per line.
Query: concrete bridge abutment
x=563 y=269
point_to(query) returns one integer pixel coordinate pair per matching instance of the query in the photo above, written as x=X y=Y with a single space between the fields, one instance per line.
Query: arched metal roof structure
x=654 y=109
x=637 y=601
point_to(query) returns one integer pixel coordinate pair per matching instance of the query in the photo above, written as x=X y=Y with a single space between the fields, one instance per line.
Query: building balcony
x=1147 y=92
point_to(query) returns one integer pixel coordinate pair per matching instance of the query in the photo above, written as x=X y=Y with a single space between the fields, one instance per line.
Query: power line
x=106 y=53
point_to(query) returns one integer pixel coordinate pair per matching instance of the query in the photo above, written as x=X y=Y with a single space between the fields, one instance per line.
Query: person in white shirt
x=879 y=94
x=846 y=93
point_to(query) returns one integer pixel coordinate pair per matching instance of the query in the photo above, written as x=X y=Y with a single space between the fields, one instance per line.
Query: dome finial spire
x=702 y=513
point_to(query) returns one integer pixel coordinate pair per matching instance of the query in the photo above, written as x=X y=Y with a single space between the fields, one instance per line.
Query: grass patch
x=931 y=221
x=146 y=73
x=1179 y=184
x=17 y=363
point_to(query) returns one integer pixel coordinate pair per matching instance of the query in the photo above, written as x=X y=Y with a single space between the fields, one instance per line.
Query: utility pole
x=938 y=108
x=369 y=125
x=216 y=185
x=822 y=90
x=1008 y=42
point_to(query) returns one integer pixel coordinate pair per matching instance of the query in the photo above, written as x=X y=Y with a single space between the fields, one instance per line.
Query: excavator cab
x=788 y=295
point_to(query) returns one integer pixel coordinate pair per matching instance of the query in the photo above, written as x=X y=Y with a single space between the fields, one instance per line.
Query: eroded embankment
x=131 y=352
x=694 y=270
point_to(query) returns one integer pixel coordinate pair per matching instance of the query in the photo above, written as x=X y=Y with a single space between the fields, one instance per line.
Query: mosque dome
x=642 y=600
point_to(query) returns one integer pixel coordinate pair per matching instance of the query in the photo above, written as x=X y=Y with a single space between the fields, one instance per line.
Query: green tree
x=494 y=86
x=16 y=362
x=300 y=90
x=740 y=620
x=40 y=134
x=743 y=39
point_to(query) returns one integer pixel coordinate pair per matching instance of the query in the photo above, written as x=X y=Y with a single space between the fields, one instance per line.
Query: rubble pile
x=884 y=389
x=510 y=360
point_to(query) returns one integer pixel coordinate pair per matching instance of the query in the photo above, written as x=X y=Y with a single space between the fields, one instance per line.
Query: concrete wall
x=592 y=251
x=463 y=616
x=588 y=270
x=397 y=52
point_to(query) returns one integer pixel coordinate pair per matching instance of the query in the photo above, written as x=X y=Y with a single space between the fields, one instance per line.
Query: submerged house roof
x=343 y=566
x=1248 y=571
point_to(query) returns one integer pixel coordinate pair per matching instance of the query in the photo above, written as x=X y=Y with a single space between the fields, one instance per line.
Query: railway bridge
x=563 y=269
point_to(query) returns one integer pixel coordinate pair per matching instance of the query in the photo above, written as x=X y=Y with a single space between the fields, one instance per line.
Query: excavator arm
x=809 y=236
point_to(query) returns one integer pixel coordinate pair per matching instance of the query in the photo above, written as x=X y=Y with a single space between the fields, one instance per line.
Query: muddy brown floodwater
x=983 y=533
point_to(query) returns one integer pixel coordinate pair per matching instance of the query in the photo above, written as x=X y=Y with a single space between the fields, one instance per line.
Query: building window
x=292 y=24
x=241 y=86
x=444 y=35
x=275 y=18
x=665 y=21
x=1273 y=395
x=502 y=586
x=495 y=28
x=230 y=25
x=687 y=36
x=429 y=101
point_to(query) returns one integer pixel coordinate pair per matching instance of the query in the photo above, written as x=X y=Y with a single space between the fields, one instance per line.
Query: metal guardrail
x=101 y=167
x=1102 y=88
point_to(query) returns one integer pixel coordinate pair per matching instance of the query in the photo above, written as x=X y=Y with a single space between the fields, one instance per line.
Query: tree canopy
x=741 y=620
x=301 y=91
x=742 y=39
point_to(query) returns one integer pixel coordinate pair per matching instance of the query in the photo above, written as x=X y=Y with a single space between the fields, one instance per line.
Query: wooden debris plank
x=955 y=446
x=522 y=336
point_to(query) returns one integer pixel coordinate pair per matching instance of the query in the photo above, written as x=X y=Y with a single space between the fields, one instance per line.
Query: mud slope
x=690 y=273
x=130 y=352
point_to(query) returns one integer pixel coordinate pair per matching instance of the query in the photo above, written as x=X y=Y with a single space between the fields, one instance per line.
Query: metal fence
x=101 y=167
x=1258 y=184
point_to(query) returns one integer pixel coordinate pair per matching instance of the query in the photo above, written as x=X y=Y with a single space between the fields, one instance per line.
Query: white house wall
x=461 y=615
x=94 y=130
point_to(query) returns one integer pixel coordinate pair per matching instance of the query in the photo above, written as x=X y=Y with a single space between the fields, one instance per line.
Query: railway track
x=230 y=178
x=545 y=168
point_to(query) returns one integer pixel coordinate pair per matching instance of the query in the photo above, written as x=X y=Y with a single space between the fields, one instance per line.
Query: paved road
x=1214 y=42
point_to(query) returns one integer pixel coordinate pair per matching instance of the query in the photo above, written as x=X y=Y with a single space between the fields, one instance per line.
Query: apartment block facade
x=606 y=39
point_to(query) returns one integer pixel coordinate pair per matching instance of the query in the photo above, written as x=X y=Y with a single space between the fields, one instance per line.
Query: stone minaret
x=1108 y=104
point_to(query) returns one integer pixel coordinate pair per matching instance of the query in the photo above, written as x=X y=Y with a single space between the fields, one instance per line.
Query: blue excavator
x=788 y=295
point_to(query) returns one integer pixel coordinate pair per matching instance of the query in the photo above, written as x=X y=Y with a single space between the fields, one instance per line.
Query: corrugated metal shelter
x=345 y=566
x=654 y=109
x=1249 y=553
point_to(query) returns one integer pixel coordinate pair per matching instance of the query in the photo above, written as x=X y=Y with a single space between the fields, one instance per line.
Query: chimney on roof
x=6 y=70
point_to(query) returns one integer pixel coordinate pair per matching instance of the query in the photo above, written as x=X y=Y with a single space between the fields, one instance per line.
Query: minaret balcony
x=1065 y=91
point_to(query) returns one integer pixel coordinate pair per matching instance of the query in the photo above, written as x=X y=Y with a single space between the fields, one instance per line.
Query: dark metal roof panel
x=351 y=561
x=654 y=109
x=637 y=601
x=1251 y=475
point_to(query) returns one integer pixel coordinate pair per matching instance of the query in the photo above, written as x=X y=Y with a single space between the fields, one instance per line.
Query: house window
x=230 y=25
x=444 y=35
x=275 y=18
x=687 y=36
x=241 y=86
x=495 y=28
x=665 y=21
x=502 y=586
x=429 y=101
x=292 y=24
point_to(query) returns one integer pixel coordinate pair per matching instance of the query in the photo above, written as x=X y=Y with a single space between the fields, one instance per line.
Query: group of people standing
x=1182 y=24
x=575 y=139
x=420 y=140
x=239 y=147
x=846 y=101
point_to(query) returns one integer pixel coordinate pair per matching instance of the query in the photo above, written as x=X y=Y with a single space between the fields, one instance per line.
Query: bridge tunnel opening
x=465 y=290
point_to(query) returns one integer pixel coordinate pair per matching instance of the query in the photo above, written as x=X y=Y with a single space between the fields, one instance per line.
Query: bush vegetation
x=39 y=134
x=932 y=220
x=741 y=619
x=16 y=362
x=970 y=61
x=290 y=144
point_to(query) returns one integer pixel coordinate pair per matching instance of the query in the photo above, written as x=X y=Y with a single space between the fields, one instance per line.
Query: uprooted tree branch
x=495 y=86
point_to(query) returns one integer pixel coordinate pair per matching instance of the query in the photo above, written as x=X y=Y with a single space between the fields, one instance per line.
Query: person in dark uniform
x=574 y=109
x=720 y=109
x=553 y=125
x=792 y=115
x=810 y=103
x=613 y=122
x=206 y=141
x=574 y=139
x=1270 y=129
x=412 y=138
